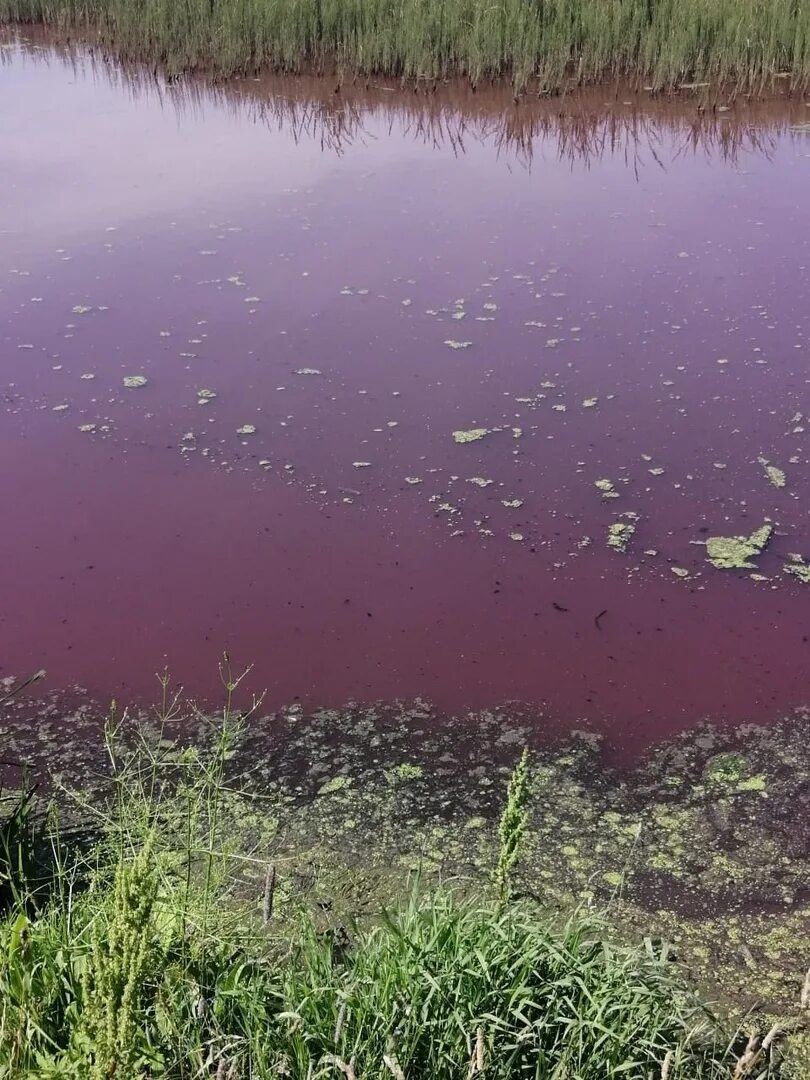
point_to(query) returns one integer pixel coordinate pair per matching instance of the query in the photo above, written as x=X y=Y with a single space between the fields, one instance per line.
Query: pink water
x=229 y=241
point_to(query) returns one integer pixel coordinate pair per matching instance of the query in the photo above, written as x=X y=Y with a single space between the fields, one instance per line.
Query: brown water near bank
x=632 y=283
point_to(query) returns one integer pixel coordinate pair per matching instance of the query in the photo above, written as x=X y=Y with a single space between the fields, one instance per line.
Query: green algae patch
x=775 y=476
x=607 y=488
x=753 y=783
x=736 y=552
x=471 y=435
x=405 y=771
x=729 y=768
x=734 y=771
x=337 y=783
x=621 y=532
x=798 y=568
x=134 y=382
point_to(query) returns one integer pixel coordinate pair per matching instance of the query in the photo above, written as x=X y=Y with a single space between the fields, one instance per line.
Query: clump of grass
x=20 y=829
x=170 y=964
x=664 y=43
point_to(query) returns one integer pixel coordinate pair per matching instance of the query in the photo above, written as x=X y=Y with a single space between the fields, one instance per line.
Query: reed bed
x=547 y=43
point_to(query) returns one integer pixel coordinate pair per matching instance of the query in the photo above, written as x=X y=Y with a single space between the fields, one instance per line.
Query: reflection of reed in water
x=584 y=126
x=581 y=128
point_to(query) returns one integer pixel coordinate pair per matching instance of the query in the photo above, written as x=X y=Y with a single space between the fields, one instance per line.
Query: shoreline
x=556 y=71
x=702 y=841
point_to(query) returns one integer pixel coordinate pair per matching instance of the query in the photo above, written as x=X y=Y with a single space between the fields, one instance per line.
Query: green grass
x=166 y=952
x=659 y=42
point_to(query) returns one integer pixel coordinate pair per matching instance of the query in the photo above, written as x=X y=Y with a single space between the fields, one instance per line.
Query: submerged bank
x=703 y=842
x=255 y=877
x=550 y=44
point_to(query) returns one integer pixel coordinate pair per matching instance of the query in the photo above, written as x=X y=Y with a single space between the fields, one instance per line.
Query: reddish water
x=230 y=241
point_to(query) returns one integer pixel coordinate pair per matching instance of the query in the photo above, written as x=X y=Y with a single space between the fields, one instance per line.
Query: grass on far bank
x=160 y=950
x=663 y=43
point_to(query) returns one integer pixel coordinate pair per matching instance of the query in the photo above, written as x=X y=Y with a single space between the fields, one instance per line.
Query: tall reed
x=662 y=43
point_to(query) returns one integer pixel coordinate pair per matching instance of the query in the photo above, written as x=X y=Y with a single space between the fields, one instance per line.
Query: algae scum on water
x=737 y=552
x=574 y=406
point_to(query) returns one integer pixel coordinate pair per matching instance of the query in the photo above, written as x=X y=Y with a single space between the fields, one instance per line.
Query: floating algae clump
x=473 y=435
x=607 y=488
x=798 y=567
x=620 y=533
x=775 y=476
x=735 y=552
x=133 y=382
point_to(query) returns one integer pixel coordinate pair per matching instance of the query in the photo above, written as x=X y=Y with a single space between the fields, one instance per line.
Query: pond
x=401 y=393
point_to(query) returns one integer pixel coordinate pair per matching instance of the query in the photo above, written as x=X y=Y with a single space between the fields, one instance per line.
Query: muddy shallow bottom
x=702 y=843
x=356 y=388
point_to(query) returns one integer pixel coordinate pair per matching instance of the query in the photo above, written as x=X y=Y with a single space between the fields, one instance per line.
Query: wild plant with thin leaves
x=121 y=957
x=512 y=830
